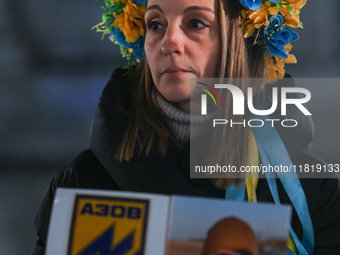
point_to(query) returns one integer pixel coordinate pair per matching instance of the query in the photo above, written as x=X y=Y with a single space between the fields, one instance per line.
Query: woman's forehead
x=183 y=3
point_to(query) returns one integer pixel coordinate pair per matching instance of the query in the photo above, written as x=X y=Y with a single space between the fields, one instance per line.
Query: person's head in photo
x=230 y=236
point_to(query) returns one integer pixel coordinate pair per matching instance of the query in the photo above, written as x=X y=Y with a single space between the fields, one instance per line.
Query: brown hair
x=239 y=59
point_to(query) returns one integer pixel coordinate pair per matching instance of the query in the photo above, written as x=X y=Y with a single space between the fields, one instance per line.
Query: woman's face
x=182 y=42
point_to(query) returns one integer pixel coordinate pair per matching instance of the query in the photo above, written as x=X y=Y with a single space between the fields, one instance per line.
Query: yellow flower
x=271 y=71
x=252 y=20
x=256 y=19
x=296 y=4
x=293 y=20
x=275 y=65
x=248 y=28
x=131 y=21
x=273 y=10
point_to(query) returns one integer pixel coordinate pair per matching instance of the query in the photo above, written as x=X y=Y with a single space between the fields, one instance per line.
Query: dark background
x=52 y=71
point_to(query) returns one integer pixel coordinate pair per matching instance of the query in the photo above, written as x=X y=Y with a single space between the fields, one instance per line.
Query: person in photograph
x=230 y=236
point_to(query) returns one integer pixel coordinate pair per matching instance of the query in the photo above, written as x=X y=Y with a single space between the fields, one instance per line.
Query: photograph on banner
x=212 y=226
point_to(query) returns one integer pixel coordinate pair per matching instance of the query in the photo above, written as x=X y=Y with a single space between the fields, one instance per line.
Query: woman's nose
x=173 y=41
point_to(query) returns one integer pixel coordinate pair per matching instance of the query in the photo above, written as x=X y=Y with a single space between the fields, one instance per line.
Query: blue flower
x=277 y=36
x=251 y=4
x=138 y=50
x=137 y=46
x=255 y=4
x=140 y=1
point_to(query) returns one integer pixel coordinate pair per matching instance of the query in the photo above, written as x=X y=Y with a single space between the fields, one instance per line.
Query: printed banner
x=91 y=222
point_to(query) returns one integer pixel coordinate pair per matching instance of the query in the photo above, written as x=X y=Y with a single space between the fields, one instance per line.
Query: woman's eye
x=154 y=25
x=196 y=24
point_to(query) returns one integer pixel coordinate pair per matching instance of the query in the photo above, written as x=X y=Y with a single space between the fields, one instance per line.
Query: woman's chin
x=176 y=92
x=178 y=98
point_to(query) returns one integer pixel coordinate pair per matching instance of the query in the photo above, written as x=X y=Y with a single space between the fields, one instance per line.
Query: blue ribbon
x=274 y=153
x=236 y=192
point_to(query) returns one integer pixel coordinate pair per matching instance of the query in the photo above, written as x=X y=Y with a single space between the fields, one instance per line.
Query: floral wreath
x=267 y=22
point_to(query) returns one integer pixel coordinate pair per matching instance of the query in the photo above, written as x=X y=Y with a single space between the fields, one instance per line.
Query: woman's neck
x=185 y=125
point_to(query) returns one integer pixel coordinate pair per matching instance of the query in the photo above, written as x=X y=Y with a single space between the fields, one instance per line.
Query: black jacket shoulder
x=86 y=172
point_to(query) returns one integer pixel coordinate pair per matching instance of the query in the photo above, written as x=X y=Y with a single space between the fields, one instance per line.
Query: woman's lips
x=174 y=72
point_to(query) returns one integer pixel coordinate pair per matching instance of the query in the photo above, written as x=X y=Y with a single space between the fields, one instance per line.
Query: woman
x=140 y=131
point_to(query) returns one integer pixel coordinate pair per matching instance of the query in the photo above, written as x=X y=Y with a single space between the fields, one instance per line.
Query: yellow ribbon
x=252 y=179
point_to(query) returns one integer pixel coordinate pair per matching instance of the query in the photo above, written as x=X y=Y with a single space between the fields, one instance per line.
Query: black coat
x=95 y=169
